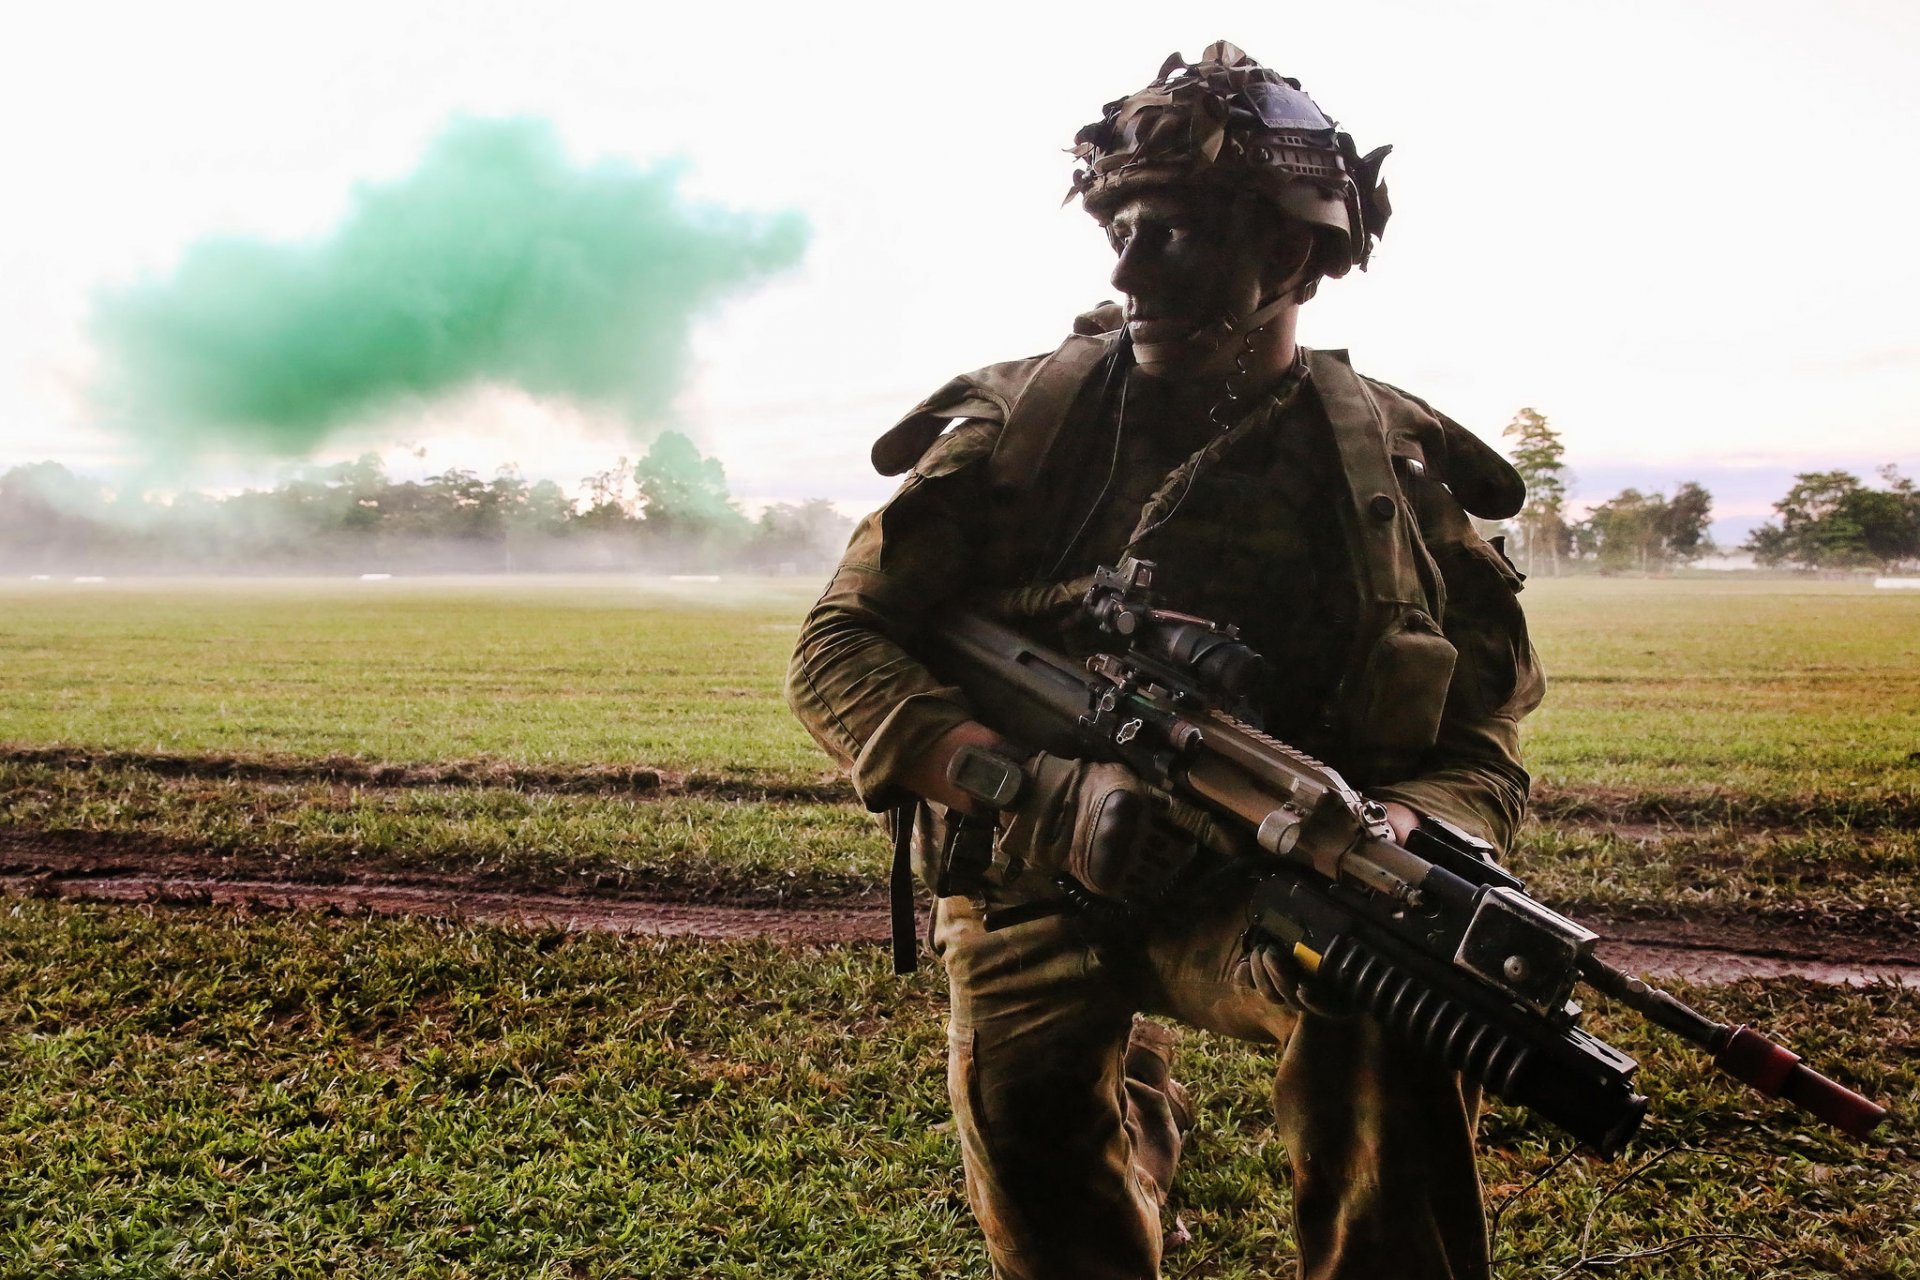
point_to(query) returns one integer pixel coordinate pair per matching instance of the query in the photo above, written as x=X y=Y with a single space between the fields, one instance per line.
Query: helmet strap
x=1213 y=335
x=1228 y=408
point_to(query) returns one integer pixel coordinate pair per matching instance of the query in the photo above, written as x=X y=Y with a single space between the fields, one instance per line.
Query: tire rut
x=1694 y=952
x=1639 y=811
x=613 y=780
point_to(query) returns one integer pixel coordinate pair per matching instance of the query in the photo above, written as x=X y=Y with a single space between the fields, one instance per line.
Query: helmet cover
x=1229 y=123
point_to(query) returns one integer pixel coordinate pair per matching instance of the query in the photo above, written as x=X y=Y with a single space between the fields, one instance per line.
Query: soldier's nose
x=1132 y=270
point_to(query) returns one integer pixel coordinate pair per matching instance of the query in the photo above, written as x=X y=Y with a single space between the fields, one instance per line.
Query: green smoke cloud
x=496 y=259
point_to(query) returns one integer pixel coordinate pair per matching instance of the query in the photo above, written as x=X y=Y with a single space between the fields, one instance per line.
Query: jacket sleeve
x=1472 y=775
x=854 y=681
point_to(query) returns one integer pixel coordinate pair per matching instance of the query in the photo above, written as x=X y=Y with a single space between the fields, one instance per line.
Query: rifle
x=1432 y=939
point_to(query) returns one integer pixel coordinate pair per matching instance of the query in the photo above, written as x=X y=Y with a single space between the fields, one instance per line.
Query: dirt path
x=1691 y=951
x=1649 y=815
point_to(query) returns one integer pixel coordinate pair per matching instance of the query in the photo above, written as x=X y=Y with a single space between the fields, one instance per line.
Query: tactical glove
x=1270 y=970
x=1098 y=823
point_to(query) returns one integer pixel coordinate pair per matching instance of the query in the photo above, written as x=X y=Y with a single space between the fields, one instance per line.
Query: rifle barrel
x=1743 y=1053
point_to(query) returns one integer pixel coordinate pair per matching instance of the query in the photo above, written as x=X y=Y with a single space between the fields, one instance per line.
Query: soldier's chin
x=1162 y=348
x=1176 y=356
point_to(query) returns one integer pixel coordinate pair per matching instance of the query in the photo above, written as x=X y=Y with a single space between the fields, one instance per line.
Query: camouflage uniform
x=1069 y=1125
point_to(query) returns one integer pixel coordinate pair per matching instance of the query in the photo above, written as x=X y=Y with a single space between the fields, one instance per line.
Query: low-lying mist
x=668 y=513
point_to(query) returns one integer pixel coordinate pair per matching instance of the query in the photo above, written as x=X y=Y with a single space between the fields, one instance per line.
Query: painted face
x=1189 y=267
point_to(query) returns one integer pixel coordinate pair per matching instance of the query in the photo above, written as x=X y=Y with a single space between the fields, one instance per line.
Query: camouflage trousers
x=1071 y=1127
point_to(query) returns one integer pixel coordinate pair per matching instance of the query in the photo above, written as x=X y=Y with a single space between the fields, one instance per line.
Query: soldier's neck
x=1256 y=366
x=1270 y=353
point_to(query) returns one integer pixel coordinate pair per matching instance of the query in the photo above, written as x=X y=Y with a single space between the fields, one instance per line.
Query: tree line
x=672 y=509
x=669 y=510
x=1827 y=520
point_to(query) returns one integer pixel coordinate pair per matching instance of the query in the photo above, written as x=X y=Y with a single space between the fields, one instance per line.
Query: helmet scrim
x=1228 y=122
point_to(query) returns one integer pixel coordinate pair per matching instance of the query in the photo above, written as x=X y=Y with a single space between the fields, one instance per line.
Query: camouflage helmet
x=1228 y=122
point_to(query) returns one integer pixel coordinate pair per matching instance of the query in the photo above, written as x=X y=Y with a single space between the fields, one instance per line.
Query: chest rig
x=1392 y=451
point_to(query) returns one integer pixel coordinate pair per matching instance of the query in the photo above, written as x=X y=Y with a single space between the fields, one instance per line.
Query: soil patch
x=63 y=855
x=620 y=780
x=857 y=921
x=1635 y=814
x=150 y=872
x=1652 y=815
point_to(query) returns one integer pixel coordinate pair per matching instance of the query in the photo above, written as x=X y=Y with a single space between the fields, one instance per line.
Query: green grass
x=194 y=1093
x=539 y=671
x=198 y=1093
x=773 y=850
x=1862 y=882
x=1762 y=687
x=685 y=844
x=1716 y=701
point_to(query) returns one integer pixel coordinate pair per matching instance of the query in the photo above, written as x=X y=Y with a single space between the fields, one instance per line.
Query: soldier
x=1323 y=513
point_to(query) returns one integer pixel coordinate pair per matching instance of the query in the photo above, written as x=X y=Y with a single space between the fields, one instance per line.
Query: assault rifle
x=1431 y=938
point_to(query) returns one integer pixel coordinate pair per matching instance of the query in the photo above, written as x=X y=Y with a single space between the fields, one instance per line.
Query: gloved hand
x=1097 y=822
x=1270 y=970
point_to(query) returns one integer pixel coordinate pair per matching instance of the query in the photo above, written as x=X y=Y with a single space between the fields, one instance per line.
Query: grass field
x=202 y=1096
x=567 y=670
x=1767 y=687
x=204 y=1093
x=1773 y=727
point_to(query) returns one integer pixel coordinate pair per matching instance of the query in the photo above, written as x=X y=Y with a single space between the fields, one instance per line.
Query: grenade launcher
x=1431 y=938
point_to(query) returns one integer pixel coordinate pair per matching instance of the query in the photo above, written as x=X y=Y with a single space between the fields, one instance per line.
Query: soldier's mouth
x=1147 y=327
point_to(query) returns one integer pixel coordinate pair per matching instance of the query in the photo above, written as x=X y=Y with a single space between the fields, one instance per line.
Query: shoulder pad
x=1104 y=318
x=1483 y=482
x=985 y=394
x=970 y=442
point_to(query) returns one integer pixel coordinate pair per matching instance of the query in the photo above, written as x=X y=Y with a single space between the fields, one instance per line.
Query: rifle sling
x=900 y=888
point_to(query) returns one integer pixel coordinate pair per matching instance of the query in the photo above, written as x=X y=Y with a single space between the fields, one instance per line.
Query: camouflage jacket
x=1417 y=667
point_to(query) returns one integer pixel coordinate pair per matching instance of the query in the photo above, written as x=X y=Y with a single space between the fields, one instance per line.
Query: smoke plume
x=495 y=260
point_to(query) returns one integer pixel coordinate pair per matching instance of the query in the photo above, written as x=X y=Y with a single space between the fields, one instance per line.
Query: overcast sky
x=1683 y=230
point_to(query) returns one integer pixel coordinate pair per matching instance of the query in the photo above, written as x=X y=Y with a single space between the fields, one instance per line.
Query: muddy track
x=613 y=780
x=1664 y=813
x=106 y=855
x=1698 y=951
x=1655 y=813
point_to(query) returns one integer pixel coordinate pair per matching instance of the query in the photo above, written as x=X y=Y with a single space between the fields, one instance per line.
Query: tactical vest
x=1389 y=701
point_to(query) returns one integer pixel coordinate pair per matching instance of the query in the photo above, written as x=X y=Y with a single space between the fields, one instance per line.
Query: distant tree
x=1830 y=519
x=342 y=513
x=683 y=496
x=1647 y=532
x=461 y=505
x=1683 y=524
x=609 y=508
x=1813 y=529
x=1541 y=460
x=47 y=512
x=1624 y=531
x=38 y=489
x=546 y=510
x=1889 y=519
x=807 y=533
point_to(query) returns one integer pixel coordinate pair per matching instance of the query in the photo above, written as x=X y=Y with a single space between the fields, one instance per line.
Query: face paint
x=1198 y=276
